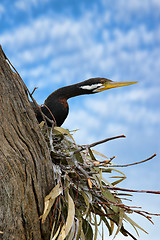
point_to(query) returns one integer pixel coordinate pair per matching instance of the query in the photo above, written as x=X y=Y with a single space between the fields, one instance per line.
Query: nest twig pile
x=82 y=199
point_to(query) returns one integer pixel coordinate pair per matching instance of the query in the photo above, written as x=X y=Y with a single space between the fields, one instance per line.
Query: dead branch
x=83 y=147
x=135 y=163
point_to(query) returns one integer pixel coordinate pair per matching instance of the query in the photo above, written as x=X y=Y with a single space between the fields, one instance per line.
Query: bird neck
x=70 y=91
x=57 y=102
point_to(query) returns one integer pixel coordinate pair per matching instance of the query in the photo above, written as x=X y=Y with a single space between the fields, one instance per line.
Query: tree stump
x=26 y=173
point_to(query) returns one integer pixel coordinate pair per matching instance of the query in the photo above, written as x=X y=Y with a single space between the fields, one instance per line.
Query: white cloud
x=27 y=5
x=2 y=10
x=126 y=112
x=62 y=33
x=135 y=37
x=125 y=10
x=83 y=118
x=128 y=106
x=66 y=44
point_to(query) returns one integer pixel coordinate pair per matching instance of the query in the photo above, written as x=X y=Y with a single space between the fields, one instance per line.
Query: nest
x=84 y=199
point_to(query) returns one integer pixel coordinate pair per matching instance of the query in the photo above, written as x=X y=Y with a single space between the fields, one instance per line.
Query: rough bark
x=26 y=174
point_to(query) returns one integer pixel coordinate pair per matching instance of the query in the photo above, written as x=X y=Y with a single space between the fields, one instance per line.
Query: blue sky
x=56 y=43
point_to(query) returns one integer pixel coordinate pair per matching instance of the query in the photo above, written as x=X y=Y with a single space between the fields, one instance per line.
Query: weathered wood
x=26 y=174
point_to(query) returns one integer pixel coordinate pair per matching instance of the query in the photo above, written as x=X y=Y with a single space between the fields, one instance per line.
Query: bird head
x=94 y=85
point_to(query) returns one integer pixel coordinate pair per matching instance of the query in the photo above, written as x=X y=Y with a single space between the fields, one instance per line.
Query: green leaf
x=118 y=181
x=121 y=215
x=50 y=199
x=104 y=219
x=72 y=232
x=112 y=226
x=79 y=157
x=87 y=202
x=70 y=219
x=56 y=224
x=64 y=131
x=42 y=124
x=53 y=226
x=87 y=229
x=102 y=232
x=79 y=229
x=96 y=227
x=92 y=155
x=99 y=154
x=56 y=234
x=105 y=170
x=108 y=195
x=113 y=169
x=82 y=235
x=134 y=224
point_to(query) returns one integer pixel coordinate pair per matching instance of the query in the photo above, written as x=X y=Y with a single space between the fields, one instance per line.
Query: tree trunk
x=26 y=173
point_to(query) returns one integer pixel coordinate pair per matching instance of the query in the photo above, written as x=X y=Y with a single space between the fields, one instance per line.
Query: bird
x=56 y=107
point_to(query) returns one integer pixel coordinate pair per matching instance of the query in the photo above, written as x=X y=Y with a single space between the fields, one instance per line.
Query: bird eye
x=102 y=81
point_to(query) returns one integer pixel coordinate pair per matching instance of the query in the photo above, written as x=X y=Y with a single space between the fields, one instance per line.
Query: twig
x=97 y=143
x=104 y=163
x=105 y=140
x=54 y=120
x=111 y=159
x=147 y=213
x=131 y=190
x=34 y=90
x=135 y=163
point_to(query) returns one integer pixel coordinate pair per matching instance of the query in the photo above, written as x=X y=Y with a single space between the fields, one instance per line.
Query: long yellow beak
x=110 y=84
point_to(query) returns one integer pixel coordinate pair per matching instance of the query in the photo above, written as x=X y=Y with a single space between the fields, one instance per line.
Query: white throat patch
x=91 y=87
